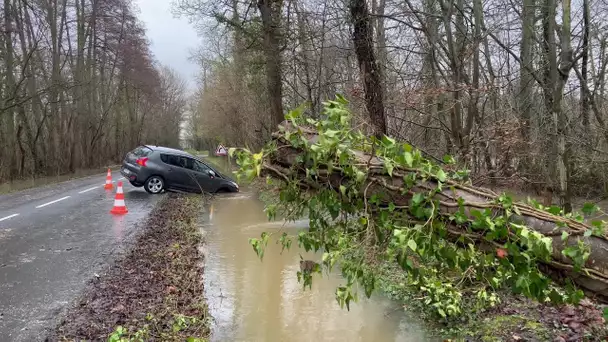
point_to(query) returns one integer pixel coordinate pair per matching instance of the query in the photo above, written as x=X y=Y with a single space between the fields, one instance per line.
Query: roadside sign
x=221 y=151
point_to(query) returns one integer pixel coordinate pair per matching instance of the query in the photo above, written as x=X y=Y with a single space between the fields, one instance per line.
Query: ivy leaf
x=331 y=133
x=589 y=208
x=409 y=160
x=341 y=99
x=548 y=244
x=565 y=235
x=387 y=141
x=417 y=199
x=389 y=168
x=360 y=175
x=440 y=175
x=516 y=210
x=412 y=245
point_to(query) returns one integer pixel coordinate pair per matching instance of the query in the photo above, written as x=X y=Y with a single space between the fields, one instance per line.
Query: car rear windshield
x=142 y=151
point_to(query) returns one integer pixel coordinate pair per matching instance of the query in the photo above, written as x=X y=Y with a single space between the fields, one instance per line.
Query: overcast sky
x=171 y=38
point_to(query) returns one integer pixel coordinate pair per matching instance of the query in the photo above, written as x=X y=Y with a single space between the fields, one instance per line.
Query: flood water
x=254 y=300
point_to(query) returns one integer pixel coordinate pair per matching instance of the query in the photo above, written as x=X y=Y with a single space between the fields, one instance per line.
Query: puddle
x=253 y=300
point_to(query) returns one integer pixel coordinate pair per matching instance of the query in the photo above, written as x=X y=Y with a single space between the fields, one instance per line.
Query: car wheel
x=154 y=185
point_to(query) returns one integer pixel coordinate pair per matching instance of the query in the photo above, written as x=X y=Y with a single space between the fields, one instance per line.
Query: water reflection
x=253 y=300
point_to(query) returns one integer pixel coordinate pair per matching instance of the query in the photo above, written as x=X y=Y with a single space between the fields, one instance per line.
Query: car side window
x=141 y=151
x=172 y=160
x=200 y=167
x=186 y=163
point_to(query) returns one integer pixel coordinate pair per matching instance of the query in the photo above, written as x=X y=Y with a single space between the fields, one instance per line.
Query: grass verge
x=154 y=293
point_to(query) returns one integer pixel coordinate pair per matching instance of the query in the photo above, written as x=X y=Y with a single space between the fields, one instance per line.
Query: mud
x=155 y=291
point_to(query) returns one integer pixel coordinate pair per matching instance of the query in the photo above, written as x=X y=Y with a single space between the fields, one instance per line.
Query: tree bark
x=8 y=117
x=270 y=11
x=584 y=63
x=525 y=67
x=368 y=67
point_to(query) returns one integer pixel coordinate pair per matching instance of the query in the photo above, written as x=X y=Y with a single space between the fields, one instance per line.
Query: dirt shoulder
x=155 y=292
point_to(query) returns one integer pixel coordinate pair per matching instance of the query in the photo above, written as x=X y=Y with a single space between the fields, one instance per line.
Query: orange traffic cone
x=119 y=201
x=108 y=185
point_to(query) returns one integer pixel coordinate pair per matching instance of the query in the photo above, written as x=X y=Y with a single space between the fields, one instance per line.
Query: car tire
x=154 y=185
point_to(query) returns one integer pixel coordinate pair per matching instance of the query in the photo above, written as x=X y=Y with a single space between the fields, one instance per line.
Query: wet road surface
x=53 y=240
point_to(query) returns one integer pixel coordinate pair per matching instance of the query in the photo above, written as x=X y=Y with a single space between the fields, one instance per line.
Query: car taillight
x=142 y=161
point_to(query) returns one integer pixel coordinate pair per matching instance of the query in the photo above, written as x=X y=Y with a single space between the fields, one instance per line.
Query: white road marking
x=51 y=202
x=89 y=189
x=8 y=217
x=121 y=178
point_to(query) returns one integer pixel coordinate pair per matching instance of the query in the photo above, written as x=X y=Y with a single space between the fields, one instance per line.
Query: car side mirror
x=211 y=173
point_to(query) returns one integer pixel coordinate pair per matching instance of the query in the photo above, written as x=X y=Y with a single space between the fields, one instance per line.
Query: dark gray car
x=157 y=168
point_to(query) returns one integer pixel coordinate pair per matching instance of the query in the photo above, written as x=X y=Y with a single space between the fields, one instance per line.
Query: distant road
x=54 y=239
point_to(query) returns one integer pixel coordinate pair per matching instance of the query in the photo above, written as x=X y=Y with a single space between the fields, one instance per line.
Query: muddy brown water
x=254 y=300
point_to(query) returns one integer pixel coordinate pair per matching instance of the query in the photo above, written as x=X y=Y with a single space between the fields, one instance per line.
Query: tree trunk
x=8 y=117
x=555 y=78
x=270 y=11
x=364 y=48
x=525 y=67
x=584 y=63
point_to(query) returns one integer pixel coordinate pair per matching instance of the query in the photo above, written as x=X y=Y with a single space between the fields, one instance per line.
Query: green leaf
x=417 y=198
x=294 y=114
x=387 y=141
x=516 y=210
x=409 y=160
x=548 y=243
x=360 y=175
x=331 y=133
x=589 y=208
x=341 y=99
x=412 y=245
x=389 y=167
x=441 y=175
x=565 y=235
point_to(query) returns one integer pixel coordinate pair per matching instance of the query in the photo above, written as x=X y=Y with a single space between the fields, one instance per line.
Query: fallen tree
x=450 y=237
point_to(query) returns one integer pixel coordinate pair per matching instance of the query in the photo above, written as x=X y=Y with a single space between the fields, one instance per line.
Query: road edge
x=155 y=290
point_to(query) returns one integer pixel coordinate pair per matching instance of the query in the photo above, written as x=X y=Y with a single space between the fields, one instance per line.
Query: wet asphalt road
x=52 y=244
